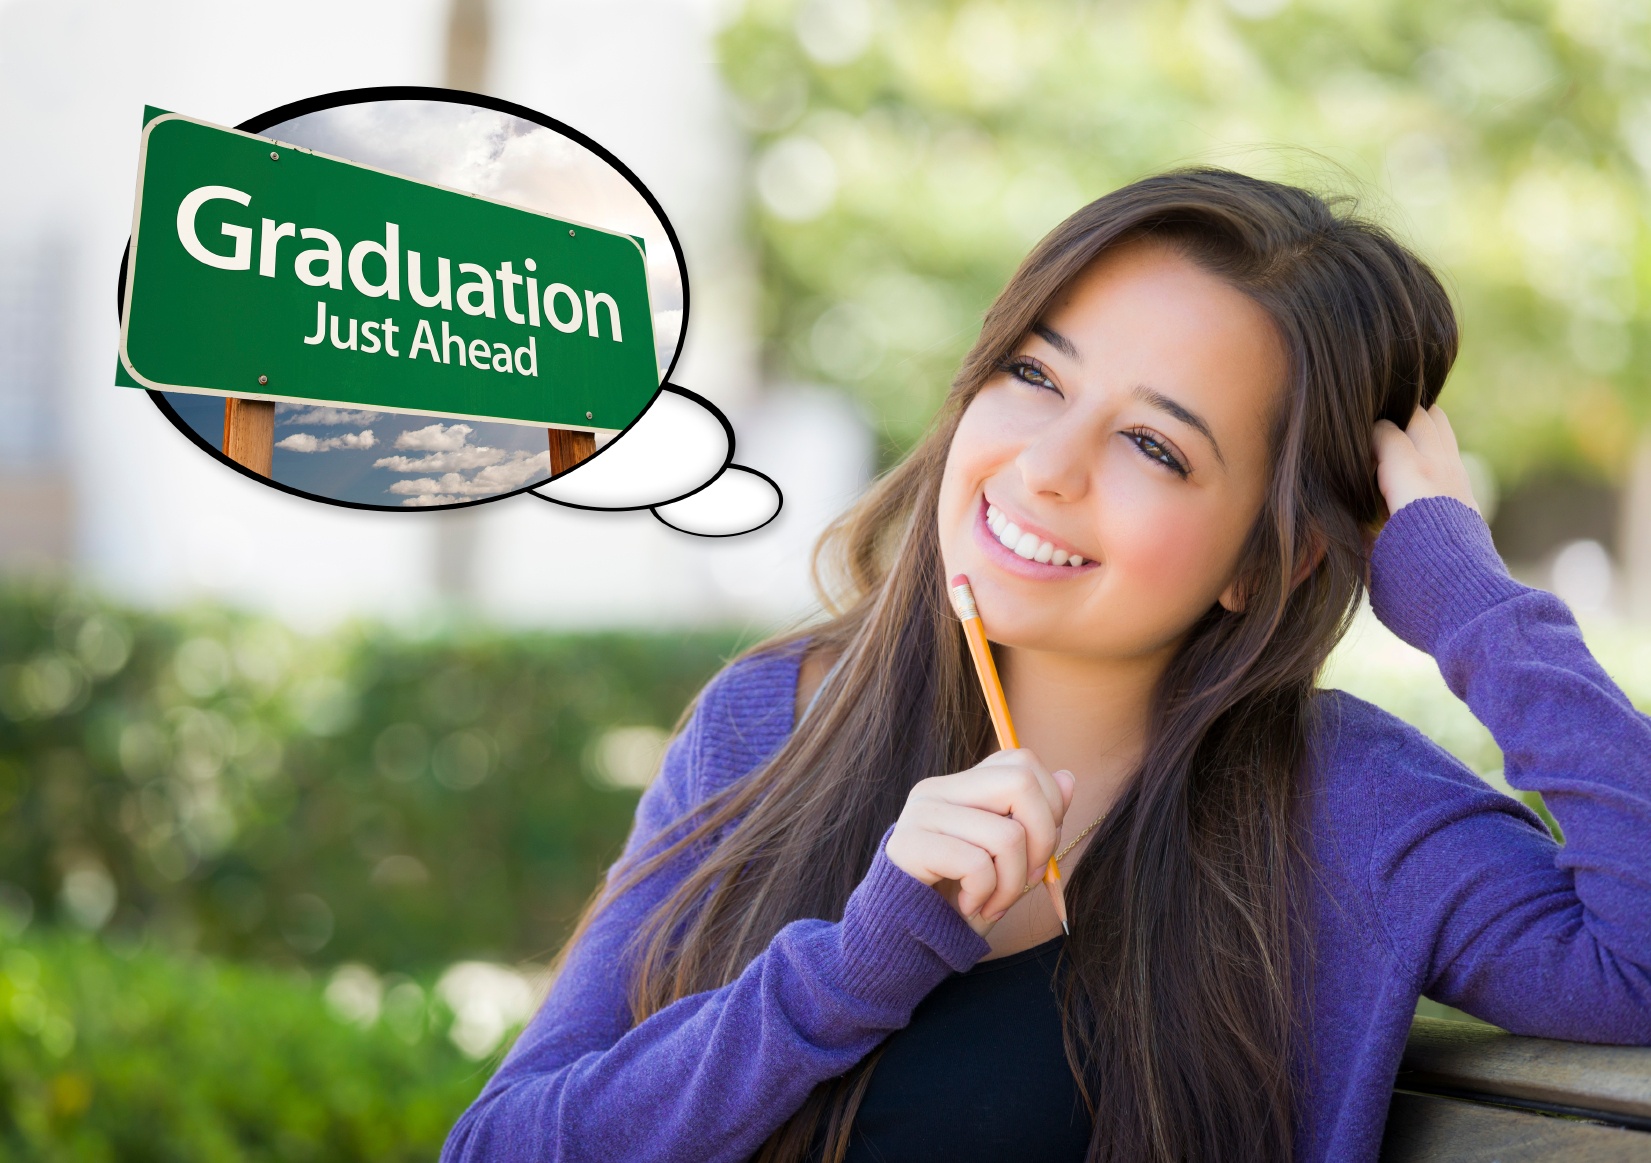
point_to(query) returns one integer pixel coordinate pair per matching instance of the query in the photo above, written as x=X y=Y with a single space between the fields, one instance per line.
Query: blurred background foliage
x=274 y=896
x=910 y=152
x=228 y=786
x=111 y=1051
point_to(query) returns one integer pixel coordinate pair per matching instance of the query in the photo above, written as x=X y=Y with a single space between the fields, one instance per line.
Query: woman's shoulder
x=737 y=722
x=1376 y=780
x=816 y=665
x=1358 y=748
x=743 y=715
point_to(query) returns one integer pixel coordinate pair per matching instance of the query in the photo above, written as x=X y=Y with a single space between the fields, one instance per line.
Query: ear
x=1233 y=598
x=1312 y=554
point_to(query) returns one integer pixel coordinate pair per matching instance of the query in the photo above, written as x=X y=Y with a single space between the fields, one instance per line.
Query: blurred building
x=36 y=492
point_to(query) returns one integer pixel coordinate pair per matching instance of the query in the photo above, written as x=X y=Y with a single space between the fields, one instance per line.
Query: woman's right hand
x=980 y=836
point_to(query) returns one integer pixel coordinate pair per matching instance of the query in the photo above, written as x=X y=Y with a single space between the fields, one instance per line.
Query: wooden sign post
x=569 y=446
x=249 y=433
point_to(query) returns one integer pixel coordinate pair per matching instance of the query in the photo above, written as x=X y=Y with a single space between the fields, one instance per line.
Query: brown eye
x=1028 y=372
x=1155 y=450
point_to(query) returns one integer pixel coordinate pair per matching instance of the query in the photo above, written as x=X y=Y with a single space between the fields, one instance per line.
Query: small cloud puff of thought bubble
x=677 y=460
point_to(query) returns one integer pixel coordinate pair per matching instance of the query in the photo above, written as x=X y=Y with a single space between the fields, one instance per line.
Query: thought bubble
x=357 y=438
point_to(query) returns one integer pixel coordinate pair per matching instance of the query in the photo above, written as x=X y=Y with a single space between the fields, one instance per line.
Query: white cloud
x=428 y=499
x=514 y=473
x=326 y=415
x=427 y=485
x=435 y=438
x=498 y=478
x=307 y=442
x=459 y=460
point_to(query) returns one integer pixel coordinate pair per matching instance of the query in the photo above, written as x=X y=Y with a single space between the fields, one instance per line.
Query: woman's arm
x=1495 y=917
x=713 y=1075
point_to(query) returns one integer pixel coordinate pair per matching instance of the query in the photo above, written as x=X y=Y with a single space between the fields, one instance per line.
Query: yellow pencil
x=974 y=633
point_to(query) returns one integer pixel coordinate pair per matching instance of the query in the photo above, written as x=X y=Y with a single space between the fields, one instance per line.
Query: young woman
x=1161 y=466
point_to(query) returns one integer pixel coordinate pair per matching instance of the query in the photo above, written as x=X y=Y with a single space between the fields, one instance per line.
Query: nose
x=1059 y=458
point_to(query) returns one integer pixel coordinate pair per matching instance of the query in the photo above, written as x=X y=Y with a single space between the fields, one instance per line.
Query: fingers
x=1003 y=842
x=1447 y=434
x=1068 y=785
x=1388 y=440
x=1423 y=460
x=1016 y=785
x=1427 y=431
x=989 y=831
x=1424 y=433
x=1023 y=758
x=970 y=865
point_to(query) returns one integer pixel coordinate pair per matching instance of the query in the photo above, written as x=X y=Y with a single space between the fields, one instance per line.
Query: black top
x=978 y=1074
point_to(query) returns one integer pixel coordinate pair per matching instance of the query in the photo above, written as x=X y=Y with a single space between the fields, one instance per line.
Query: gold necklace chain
x=1071 y=844
x=1090 y=828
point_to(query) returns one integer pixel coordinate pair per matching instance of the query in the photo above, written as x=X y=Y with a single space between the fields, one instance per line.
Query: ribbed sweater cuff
x=1433 y=569
x=900 y=937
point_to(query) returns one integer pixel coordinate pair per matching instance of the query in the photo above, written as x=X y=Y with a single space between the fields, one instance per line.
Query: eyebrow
x=1186 y=415
x=1057 y=341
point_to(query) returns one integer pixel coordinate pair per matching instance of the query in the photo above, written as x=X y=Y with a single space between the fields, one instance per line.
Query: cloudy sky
x=387 y=458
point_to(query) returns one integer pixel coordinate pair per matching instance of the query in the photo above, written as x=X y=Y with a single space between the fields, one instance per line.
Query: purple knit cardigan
x=1430 y=881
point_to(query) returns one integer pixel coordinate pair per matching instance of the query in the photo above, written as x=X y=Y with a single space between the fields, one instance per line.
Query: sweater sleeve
x=1495 y=917
x=711 y=1076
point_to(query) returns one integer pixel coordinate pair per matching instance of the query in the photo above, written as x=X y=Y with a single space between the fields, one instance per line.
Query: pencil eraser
x=960 y=579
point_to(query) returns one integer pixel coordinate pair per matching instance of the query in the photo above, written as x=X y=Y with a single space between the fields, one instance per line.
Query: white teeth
x=1027 y=545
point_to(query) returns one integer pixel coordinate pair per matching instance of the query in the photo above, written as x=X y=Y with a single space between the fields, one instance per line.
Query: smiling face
x=1128 y=431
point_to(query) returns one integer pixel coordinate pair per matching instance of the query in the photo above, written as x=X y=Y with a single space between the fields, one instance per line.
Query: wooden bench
x=1471 y=1093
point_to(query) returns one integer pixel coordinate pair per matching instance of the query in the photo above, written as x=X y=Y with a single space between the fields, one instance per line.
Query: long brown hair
x=1188 y=965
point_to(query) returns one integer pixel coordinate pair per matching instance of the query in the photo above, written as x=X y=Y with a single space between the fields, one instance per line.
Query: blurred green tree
x=909 y=153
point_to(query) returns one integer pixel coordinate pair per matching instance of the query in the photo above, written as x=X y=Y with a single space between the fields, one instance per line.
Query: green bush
x=218 y=782
x=142 y=1055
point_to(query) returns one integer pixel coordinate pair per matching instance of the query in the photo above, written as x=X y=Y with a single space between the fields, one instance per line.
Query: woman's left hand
x=1420 y=461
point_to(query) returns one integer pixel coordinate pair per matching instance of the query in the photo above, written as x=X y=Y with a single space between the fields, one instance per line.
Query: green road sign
x=269 y=272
